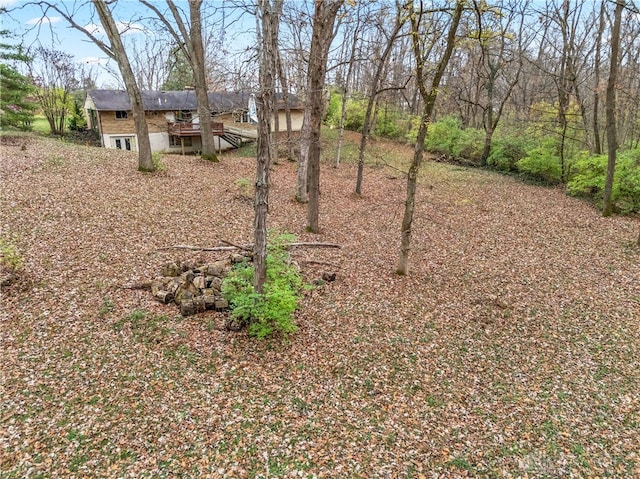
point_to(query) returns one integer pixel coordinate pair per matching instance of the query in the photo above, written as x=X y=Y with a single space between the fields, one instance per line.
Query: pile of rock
x=194 y=287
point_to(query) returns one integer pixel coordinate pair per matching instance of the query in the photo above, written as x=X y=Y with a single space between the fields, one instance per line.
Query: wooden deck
x=193 y=129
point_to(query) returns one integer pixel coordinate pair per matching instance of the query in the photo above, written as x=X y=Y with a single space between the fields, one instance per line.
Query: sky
x=31 y=28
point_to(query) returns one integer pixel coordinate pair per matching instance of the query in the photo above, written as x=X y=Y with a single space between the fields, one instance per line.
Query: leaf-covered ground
x=511 y=350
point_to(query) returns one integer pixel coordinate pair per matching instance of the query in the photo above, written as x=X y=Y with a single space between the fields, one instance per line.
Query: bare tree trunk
x=429 y=104
x=375 y=82
x=612 y=142
x=302 y=189
x=269 y=17
x=322 y=35
x=412 y=182
x=145 y=162
x=343 y=119
x=275 y=141
x=345 y=90
x=200 y=77
x=563 y=89
x=190 y=41
x=284 y=84
x=597 y=149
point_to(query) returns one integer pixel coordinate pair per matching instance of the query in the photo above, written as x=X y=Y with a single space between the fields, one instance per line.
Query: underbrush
x=536 y=158
x=270 y=312
x=11 y=262
x=589 y=178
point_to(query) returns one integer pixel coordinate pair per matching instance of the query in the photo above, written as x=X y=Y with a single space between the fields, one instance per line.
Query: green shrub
x=390 y=125
x=272 y=311
x=158 y=165
x=542 y=163
x=506 y=151
x=469 y=145
x=590 y=174
x=10 y=258
x=446 y=136
x=77 y=121
x=443 y=136
x=356 y=110
x=334 y=110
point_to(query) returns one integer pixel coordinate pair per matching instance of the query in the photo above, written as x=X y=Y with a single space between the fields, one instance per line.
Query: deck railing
x=193 y=129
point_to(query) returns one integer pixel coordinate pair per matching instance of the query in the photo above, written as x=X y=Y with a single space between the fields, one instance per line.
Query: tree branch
x=249 y=247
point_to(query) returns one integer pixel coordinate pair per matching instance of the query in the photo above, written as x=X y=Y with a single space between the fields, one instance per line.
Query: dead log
x=302 y=244
x=321 y=263
x=246 y=248
x=197 y=248
x=221 y=304
x=164 y=297
x=209 y=299
x=312 y=245
x=146 y=285
x=200 y=282
x=171 y=269
x=192 y=306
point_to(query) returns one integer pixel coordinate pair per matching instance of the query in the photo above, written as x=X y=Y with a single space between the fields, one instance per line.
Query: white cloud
x=123 y=28
x=43 y=20
x=7 y=3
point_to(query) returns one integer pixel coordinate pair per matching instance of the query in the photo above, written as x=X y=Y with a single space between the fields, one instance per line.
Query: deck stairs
x=237 y=136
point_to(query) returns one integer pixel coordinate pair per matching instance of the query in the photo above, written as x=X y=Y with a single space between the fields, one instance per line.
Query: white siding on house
x=159 y=141
x=296 y=120
x=120 y=141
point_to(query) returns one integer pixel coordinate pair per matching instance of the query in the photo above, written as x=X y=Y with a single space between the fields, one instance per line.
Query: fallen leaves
x=511 y=350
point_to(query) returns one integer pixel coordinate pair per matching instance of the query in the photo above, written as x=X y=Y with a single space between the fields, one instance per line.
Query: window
x=123 y=143
x=175 y=141
x=241 y=117
x=183 y=116
x=121 y=115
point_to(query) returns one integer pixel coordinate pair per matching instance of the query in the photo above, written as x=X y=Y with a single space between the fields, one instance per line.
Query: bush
x=389 y=125
x=589 y=179
x=443 y=136
x=11 y=262
x=334 y=110
x=469 y=145
x=446 y=136
x=356 y=110
x=542 y=163
x=10 y=258
x=272 y=311
x=156 y=158
x=77 y=121
x=506 y=151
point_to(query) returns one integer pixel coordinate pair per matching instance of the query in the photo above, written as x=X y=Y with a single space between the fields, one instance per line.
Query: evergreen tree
x=180 y=73
x=15 y=108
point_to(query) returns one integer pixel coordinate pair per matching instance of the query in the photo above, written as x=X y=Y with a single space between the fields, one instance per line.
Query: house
x=173 y=121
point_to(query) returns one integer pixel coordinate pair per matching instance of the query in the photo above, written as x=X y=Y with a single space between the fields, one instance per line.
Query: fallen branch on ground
x=321 y=263
x=242 y=247
x=249 y=247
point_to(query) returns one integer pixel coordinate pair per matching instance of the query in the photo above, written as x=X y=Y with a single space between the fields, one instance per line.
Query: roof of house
x=112 y=100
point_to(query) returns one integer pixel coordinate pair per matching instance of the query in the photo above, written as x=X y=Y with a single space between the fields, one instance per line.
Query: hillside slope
x=511 y=350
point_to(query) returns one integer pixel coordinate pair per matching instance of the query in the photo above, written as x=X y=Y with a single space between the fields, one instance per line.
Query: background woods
x=524 y=90
x=537 y=89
